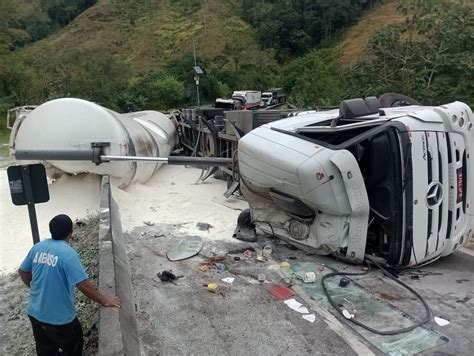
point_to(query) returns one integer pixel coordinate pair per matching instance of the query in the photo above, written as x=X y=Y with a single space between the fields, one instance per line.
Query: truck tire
x=389 y=100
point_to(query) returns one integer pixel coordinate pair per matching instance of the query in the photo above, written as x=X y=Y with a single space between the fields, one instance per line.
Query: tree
x=93 y=75
x=158 y=91
x=314 y=79
x=428 y=56
x=293 y=27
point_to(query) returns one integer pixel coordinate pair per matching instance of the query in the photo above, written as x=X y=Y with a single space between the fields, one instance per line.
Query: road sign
x=28 y=185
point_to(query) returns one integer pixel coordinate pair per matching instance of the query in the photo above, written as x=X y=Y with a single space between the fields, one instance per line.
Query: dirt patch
x=16 y=337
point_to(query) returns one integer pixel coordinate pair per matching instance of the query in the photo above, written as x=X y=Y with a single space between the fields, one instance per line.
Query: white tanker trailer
x=73 y=126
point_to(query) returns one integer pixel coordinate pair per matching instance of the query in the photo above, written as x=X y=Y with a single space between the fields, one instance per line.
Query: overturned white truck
x=389 y=182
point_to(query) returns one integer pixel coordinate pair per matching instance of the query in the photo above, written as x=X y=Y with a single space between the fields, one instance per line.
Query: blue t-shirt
x=56 y=269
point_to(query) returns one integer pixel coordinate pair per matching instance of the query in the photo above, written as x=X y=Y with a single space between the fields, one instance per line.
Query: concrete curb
x=118 y=331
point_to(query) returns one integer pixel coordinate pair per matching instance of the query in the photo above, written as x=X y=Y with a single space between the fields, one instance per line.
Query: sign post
x=28 y=186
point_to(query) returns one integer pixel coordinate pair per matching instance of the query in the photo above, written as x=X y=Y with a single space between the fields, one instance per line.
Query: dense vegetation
x=290 y=43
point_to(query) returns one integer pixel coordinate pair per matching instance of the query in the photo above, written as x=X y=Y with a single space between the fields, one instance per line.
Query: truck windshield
x=380 y=161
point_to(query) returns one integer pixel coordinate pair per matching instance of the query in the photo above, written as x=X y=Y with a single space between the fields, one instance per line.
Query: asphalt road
x=184 y=318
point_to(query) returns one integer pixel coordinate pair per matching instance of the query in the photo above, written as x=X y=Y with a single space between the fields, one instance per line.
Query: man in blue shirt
x=52 y=269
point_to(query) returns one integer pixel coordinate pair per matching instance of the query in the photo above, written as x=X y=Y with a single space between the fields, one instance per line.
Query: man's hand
x=112 y=302
x=25 y=277
x=90 y=292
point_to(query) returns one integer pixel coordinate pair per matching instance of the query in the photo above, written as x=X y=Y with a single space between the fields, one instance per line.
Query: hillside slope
x=147 y=34
x=354 y=43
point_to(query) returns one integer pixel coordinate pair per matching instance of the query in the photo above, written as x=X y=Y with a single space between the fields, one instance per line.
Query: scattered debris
x=310 y=317
x=344 y=282
x=261 y=277
x=236 y=258
x=365 y=269
x=293 y=258
x=220 y=267
x=215 y=288
x=280 y=291
x=212 y=263
x=149 y=223
x=297 y=306
x=267 y=251
x=205 y=268
x=462 y=280
x=168 y=276
x=415 y=277
x=80 y=223
x=260 y=258
x=204 y=226
x=309 y=277
x=441 y=321
x=184 y=247
x=211 y=287
x=347 y=314
x=284 y=266
x=464 y=300
x=241 y=250
x=248 y=253
x=229 y=280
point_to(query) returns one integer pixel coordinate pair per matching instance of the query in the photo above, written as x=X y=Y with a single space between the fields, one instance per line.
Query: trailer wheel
x=389 y=100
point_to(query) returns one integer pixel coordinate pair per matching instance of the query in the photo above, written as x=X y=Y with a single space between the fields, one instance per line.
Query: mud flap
x=245 y=230
x=359 y=202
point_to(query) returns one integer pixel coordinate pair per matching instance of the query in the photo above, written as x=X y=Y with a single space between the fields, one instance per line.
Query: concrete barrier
x=118 y=331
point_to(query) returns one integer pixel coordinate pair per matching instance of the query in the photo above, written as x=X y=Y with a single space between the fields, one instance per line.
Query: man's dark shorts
x=50 y=338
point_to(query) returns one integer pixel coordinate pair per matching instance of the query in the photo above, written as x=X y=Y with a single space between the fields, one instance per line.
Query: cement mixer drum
x=74 y=124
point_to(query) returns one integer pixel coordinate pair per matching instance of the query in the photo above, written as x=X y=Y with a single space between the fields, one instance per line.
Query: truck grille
x=446 y=162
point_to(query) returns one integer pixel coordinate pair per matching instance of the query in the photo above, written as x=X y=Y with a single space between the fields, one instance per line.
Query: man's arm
x=92 y=293
x=25 y=277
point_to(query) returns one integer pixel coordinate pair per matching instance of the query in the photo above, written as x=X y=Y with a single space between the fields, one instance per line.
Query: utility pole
x=196 y=76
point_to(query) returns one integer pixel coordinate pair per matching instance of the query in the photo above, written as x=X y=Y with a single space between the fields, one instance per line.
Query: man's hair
x=60 y=226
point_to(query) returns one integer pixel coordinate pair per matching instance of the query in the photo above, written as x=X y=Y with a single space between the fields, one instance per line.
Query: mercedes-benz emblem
x=434 y=195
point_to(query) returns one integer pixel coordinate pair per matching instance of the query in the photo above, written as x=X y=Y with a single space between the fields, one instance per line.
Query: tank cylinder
x=71 y=124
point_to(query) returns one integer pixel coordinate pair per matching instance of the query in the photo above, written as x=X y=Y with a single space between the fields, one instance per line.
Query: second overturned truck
x=390 y=182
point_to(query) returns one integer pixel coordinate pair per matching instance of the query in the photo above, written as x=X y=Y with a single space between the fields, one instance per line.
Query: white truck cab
x=390 y=182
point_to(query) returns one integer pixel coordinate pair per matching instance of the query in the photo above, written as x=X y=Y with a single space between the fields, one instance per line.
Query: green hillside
x=147 y=34
x=118 y=52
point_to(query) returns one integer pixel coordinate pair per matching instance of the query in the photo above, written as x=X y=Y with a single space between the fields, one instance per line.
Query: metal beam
x=93 y=156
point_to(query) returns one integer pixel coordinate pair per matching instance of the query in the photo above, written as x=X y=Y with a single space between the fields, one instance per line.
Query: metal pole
x=197 y=76
x=194 y=51
x=197 y=90
x=93 y=156
x=55 y=155
x=25 y=173
x=175 y=160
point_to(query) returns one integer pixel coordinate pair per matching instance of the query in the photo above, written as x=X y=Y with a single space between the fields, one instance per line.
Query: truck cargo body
x=250 y=99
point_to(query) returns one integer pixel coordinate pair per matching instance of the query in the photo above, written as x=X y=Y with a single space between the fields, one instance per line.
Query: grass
x=146 y=35
x=353 y=46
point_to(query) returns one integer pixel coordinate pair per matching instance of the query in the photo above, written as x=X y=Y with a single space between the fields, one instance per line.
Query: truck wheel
x=389 y=100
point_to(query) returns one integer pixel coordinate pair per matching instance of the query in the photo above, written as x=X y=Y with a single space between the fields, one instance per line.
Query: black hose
x=391 y=276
